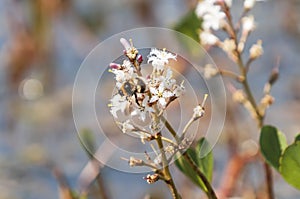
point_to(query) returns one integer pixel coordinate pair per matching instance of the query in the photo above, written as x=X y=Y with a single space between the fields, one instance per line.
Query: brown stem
x=102 y=187
x=269 y=179
x=171 y=129
x=231 y=74
x=166 y=172
x=260 y=117
x=210 y=191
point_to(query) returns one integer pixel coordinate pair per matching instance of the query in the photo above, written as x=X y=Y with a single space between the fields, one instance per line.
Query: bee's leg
x=136 y=99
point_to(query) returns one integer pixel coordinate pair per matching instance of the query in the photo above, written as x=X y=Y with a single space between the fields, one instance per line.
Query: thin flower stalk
x=234 y=47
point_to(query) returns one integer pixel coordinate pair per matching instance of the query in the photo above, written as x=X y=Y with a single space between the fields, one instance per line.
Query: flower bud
x=207 y=38
x=115 y=66
x=139 y=58
x=198 y=112
x=135 y=162
x=239 y=96
x=210 y=71
x=249 y=4
x=267 y=100
x=228 y=3
x=256 y=50
x=151 y=178
x=229 y=46
x=125 y=44
x=274 y=76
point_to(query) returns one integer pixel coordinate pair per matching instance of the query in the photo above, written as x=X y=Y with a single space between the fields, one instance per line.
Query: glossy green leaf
x=205 y=164
x=272 y=145
x=290 y=165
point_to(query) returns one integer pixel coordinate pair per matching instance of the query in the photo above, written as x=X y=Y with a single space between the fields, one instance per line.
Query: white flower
x=167 y=81
x=160 y=94
x=127 y=127
x=211 y=14
x=210 y=71
x=160 y=58
x=207 y=38
x=248 y=23
x=143 y=110
x=248 y=4
x=125 y=73
x=179 y=90
x=118 y=103
x=198 y=112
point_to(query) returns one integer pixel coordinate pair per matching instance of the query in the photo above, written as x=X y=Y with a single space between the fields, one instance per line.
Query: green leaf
x=189 y=25
x=297 y=138
x=205 y=164
x=272 y=145
x=290 y=164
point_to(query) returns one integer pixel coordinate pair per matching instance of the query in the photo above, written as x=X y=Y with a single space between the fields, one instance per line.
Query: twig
x=167 y=175
x=210 y=191
x=260 y=117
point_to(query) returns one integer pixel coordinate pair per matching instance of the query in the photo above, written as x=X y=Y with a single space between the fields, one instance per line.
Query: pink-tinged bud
x=114 y=66
x=139 y=58
x=125 y=43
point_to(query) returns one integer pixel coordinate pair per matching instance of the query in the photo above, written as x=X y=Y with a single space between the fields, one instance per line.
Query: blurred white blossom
x=208 y=38
x=256 y=50
x=228 y=3
x=249 y=4
x=211 y=14
x=210 y=71
x=248 y=23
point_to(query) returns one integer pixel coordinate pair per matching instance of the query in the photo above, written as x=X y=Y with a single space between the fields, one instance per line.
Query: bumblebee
x=132 y=87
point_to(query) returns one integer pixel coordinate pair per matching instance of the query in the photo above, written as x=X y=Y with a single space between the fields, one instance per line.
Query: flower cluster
x=148 y=96
x=140 y=95
x=216 y=15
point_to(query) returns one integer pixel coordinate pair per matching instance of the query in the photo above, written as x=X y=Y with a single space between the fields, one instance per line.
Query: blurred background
x=44 y=42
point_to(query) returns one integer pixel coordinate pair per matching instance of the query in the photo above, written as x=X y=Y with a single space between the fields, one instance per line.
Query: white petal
x=162 y=102
x=154 y=98
x=153 y=90
x=167 y=94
